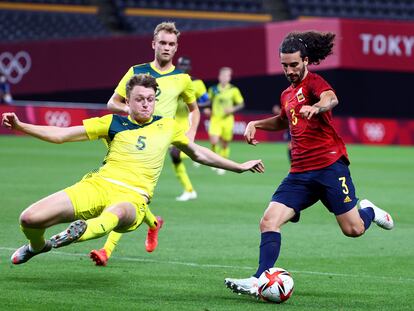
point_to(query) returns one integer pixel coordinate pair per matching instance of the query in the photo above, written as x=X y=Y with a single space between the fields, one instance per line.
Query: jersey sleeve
x=200 y=91
x=188 y=93
x=282 y=107
x=237 y=96
x=121 y=88
x=210 y=92
x=98 y=127
x=179 y=137
x=318 y=85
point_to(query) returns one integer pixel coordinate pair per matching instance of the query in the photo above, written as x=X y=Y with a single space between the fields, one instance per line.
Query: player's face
x=224 y=77
x=294 y=67
x=141 y=103
x=165 y=46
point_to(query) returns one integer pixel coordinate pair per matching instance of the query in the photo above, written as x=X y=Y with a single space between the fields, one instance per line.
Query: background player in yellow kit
x=173 y=84
x=182 y=119
x=226 y=99
x=116 y=196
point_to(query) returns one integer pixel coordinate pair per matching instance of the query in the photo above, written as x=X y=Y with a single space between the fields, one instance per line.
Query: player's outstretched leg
x=72 y=233
x=243 y=286
x=151 y=241
x=381 y=218
x=24 y=253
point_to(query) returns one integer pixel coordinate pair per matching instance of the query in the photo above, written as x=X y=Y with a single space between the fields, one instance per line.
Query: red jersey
x=315 y=142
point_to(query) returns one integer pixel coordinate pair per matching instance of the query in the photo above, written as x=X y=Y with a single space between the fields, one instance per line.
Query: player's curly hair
x=141 y=79
x=167 y=27
x=313 y=44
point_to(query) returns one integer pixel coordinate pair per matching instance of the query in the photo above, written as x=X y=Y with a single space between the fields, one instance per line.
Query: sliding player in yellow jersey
x=184 y=63
x=226 y=99
x=173 y=84
x=116 y=196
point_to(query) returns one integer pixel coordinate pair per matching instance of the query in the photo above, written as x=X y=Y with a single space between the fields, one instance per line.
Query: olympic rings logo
x=374 y=131
x=58 y=118
x=14 y=67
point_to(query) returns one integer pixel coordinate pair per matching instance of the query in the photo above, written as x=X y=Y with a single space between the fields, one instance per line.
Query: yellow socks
x=181 y=173
x=216 y=149
x=35 y=237
x=99 y=226
x=112 y=242
x=225 y=152
x=150 y=219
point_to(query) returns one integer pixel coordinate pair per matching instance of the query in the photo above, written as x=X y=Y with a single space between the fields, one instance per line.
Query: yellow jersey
x=172 y=84
x=136 y=152
x=222 y=98
x=201 y=96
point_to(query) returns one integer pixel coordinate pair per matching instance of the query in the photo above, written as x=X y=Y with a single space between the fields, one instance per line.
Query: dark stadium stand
x=49 y=19
x=239 y=6
x=70 y=2
x=145 y=25
x=27 y=25
x=366 y=9
x=22 y=20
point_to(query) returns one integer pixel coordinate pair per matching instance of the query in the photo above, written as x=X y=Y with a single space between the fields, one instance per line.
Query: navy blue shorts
x=332 y=185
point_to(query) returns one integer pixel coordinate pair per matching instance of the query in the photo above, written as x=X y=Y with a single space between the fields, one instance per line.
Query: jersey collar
x=171 y=69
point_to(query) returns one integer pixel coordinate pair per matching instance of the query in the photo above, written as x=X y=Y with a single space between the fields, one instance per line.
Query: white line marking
x=198 y=265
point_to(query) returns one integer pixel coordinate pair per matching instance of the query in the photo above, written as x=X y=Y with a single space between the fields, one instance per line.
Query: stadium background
x=64 y=58
x=75 y=51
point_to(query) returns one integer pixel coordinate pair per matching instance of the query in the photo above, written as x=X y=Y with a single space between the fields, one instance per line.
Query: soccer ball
x=275 y=285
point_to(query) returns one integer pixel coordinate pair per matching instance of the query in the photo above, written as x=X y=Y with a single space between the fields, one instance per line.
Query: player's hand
x=207 y=112
x=10 y=120
x=255 y=166
x=228 y=111
x=249 y=133
x=307 y=112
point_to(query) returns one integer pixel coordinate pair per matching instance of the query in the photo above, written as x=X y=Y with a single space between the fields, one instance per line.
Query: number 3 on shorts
x=345 y=189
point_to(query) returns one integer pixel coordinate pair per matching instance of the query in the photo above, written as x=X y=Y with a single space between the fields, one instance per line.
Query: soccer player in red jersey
x=319 y=167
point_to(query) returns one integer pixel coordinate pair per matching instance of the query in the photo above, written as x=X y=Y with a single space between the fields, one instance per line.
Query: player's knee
x=175 y=156
x=268 y=224
x=353 y=231
x=27 y=219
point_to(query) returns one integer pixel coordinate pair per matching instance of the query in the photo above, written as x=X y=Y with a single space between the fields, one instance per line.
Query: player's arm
x=327 y=100
x=203 y=101
x=53 y=134
x=117 y=104
x=207 y=157
x=235 y=108
x=194 y=118
x=275 y=123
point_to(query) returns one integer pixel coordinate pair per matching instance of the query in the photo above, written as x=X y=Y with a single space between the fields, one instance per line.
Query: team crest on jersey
x=299 y=95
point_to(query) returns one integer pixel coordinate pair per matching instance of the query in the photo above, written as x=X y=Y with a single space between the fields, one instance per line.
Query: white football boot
x=186 y=196
x=381 y=218
x=243 y=286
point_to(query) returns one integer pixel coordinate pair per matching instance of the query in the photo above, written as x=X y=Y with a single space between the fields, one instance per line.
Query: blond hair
x=167 y=27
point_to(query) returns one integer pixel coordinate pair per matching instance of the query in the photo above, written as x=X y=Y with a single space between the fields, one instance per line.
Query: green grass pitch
x=213 y=237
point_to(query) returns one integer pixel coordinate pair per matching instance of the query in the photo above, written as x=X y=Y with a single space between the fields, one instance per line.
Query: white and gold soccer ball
x=275 y=285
